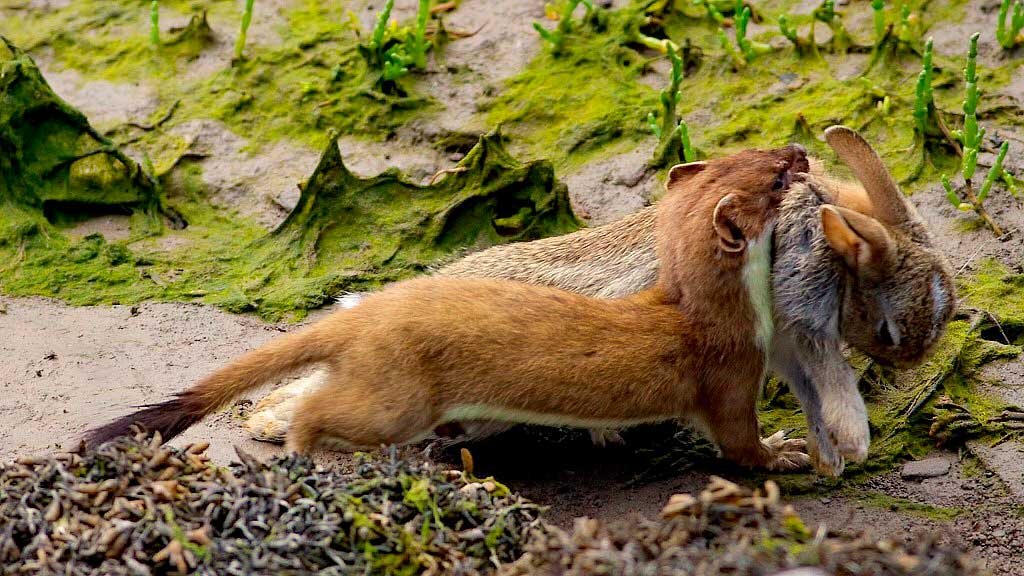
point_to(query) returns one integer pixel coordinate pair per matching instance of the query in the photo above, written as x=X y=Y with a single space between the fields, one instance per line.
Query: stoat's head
x=746 y=187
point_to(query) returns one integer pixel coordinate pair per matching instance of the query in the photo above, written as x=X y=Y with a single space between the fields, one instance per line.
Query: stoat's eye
x=780 y=181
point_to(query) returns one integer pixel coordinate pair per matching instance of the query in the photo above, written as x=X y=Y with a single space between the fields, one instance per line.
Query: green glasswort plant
x=749 y=48
x=417 y=44
x=738 y=62
x=557 y=36
x=1010 y=37
x=244 y=29
x=827 y=14
x=924 y=101
x=393 y=50
x=673 y=134
x=971 y=137
x=154 y=23
x=878 y=8
x=712 y=11
x=802 y=45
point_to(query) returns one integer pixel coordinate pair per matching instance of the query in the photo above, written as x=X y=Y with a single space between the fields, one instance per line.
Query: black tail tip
x=169 y=418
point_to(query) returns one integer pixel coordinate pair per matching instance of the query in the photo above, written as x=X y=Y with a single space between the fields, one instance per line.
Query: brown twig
x=980 y=210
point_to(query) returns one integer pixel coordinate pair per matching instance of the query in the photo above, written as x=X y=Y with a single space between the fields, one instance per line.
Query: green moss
x=996 y=289
x=110 y=40
x=570 y=105
x=53 y=160
x=312 y=81
x=893 y=504
x=347 y=233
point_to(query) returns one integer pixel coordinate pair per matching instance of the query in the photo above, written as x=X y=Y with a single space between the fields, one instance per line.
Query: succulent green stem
x=154 y=23
x=244 y=30
x=673 y=134
x=381 y=26
x=417 y=43
x=1010 y=37
x=878 y=8
x=923 y=97
x=557 y=36
x=684 y=138
x=994 y=172
x=749 y=48
x=972 y=135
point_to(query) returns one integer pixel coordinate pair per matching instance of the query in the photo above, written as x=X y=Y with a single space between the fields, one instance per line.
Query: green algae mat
x=51 y=156
x=346 y=233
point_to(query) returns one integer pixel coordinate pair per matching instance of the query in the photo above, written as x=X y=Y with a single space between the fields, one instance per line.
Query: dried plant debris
x=135 y=507
x=728 y=529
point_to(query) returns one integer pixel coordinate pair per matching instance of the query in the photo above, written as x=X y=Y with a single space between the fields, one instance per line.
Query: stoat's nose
x=798 y=161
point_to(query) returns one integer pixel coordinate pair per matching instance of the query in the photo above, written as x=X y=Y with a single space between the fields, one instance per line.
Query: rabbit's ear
x=861 y=240
x=886 y=198
x=730 y=235
x=681 y=172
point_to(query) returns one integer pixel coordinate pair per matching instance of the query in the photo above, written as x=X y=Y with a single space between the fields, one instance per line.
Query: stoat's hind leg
x=356 y=416
x=271 y=416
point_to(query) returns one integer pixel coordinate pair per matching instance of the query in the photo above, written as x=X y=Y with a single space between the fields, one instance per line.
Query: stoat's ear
x=681 y=172
x=730 y=236
x=861 y=240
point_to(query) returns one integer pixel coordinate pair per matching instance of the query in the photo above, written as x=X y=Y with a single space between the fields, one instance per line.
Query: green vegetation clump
x=1010 y=36
x=392 y=50
x=971 y=138
x=587 y=98
x=557 y=37
x=53 y=161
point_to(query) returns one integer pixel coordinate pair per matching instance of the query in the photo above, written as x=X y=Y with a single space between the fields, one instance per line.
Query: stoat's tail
x=274 y=360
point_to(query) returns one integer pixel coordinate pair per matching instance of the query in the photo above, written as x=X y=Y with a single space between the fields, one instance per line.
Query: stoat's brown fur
x=428 y=351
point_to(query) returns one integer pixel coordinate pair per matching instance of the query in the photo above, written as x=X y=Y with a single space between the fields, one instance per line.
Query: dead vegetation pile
x=136 y=507
x=728 y=529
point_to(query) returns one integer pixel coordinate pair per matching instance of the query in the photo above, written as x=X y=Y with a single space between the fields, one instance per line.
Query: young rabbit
x=894 y=306
x=430 y=351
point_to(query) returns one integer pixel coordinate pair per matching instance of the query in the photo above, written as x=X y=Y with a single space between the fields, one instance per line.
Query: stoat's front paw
x=786 y=454
x=603 y=436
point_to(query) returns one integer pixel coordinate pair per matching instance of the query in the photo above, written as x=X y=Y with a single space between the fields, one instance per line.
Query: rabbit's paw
x=848 y=429
x=846 y=421
x=786 y=454
x=825 y=456
x=267 y=426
